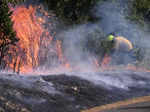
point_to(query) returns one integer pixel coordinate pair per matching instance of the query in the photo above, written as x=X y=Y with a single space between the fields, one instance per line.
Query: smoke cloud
x=113 y=18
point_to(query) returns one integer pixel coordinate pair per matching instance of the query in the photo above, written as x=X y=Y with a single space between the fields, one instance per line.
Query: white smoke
x=113 y=18
x=74 y=47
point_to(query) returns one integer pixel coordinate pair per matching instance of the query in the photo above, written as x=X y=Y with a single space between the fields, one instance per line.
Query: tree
x=73 y=11
x=7 y=34
x=141 y=10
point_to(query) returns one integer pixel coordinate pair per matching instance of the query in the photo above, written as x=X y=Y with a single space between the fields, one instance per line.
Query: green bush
x=72 y=11
x=141 y=10
x=7 y=34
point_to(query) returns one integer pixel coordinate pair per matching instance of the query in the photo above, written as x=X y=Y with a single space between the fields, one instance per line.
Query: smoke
x=74 y=43
x=112 y=19
x=113 y=16
x=126 y=80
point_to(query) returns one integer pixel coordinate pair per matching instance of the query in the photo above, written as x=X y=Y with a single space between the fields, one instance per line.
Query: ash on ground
x=69 y=92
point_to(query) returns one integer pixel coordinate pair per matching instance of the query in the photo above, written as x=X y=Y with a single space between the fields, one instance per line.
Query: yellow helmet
x=110 y=37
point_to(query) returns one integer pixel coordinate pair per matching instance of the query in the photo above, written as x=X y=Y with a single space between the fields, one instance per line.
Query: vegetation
x=73 y=11
x=7 y=34
x=141 y=10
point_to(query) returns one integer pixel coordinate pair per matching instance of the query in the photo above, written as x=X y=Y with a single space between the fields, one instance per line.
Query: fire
x=35 y=40
x=28 y=31
x=60 y=54
x=105 y=62
x=135 y=68
x=37 y=44
x=105 y=65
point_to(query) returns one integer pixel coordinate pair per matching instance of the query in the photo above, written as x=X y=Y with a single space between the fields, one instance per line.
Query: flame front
x=28 y=31
x=33 y=37
x=37 y=45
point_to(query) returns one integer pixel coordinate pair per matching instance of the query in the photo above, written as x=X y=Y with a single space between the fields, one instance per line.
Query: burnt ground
x=68 y=93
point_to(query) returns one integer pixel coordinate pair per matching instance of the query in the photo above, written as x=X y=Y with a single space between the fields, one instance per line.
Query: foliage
x=72 y=11
x=13 y=1
x=141 y=10
x=7 y=35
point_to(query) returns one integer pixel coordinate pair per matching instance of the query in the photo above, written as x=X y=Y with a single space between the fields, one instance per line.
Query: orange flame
x=28 y=31
x=105 y=62
x=60 y=54
x=35 y=40
x=32 y=34
x=105 y=65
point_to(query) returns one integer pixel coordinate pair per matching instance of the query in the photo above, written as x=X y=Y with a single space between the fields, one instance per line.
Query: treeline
x=79 y=11
x=73 y=11
x=7 y=34
x=141 y=10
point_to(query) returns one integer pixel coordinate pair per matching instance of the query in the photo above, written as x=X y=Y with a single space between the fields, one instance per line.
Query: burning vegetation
x=36 y=40
x=38 y=45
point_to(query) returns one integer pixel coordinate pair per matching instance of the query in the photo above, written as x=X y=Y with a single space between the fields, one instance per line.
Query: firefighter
x=119 y=49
